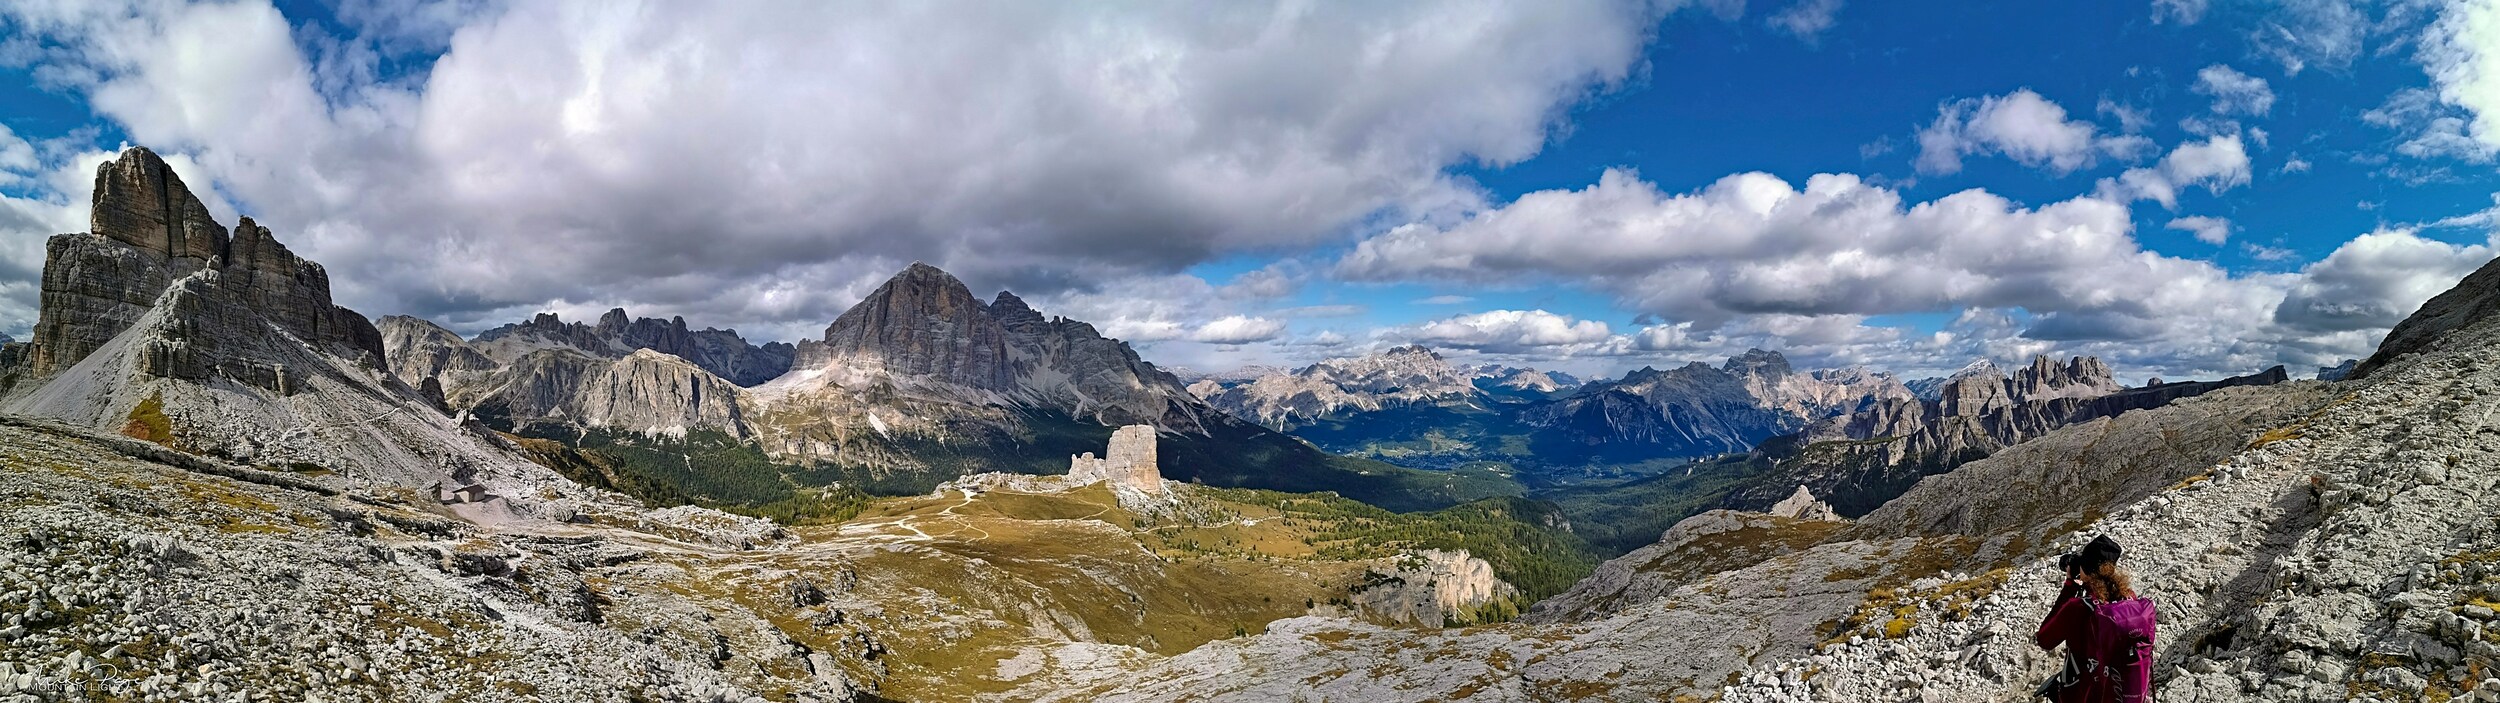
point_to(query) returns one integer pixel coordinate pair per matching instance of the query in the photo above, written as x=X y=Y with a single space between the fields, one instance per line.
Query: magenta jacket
x=2112 y=641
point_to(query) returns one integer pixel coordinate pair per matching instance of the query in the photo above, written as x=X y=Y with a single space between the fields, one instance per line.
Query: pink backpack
x=2122 y=648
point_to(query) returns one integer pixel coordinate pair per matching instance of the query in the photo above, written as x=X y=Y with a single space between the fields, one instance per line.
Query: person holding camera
x=2107 y=630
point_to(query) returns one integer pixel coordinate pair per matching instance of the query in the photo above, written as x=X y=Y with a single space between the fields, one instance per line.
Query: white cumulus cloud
x=1237 y=329
x=2022 y=126
x=2217 y=164
x=2210 y=230
x=1510 y=330
x=1753 y=260
x=2461 y=51
x=2234 y=93
x=1807 y=19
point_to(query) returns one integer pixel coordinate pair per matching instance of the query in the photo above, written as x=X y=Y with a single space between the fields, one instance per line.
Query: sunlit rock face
x=1129 y=462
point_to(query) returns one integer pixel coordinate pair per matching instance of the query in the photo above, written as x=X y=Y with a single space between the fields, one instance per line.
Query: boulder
x=1804 y=506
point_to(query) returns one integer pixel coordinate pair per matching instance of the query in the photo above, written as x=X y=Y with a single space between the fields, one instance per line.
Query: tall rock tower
x=1130 y=462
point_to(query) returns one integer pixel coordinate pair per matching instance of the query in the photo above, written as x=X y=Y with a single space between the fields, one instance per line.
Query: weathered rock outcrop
x=1804 y=506
x=420 y=350
x=159 y=326
x=2472 y=300
x=646 y=392
x=1128 y=463
x=1430 y=588
x=146 y=231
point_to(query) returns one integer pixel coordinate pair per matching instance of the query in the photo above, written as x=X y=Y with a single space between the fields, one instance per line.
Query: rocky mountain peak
x=1414 y=350
x=924 y=322
x=618 y=334
x=1756 y=362
x=615 y=321
x=139 y=201
x=1524 y=379
x=1975 y=390
x=1982 y=367
x=2336 y=372
x=148 y=231
x=2079 y=377
x=1018 y=318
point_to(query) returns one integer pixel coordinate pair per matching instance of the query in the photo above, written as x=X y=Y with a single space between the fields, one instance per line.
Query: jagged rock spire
x=139 y=201
x=147 y=231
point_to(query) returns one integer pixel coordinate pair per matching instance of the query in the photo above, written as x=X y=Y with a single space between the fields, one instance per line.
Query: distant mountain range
x=918 y=383
x=1626 y=457
x=1409 y=405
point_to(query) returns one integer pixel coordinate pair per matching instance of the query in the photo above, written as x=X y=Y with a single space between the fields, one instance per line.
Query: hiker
x=2106 y=627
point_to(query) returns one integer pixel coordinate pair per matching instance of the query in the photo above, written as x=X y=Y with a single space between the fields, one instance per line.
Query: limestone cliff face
x=160 y=325
x=646 y=392
x=1063 y=363
x=1430 y=588
x=2079 y=377
x=921 y=360
x=555 y=379
x=146 y=231
x=420 y=350
x=922 y=323
x=720 y=351
x=1128 y=463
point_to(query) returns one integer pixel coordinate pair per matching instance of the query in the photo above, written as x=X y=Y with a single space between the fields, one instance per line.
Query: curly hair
x=2109 y=583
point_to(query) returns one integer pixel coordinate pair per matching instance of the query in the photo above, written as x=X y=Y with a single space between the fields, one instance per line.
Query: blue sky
x=2186 y=188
